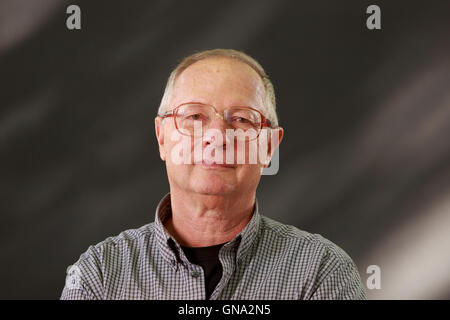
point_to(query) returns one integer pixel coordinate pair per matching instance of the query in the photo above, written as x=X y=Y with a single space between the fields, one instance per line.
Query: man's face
x=222 y=83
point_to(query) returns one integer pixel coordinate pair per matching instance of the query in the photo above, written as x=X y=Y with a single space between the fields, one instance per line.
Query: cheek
x=178 y=149
x=181 y=175
x=248 y=175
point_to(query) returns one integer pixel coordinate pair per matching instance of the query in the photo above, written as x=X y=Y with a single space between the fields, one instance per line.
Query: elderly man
x=209 y=240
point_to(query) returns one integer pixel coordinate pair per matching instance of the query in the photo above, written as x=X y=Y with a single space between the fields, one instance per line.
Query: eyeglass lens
x=236 y=117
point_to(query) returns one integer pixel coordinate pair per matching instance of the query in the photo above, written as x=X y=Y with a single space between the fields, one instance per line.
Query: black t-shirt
x=208 y=259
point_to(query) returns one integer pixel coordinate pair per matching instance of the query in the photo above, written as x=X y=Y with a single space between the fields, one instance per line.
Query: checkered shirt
x=266 y=260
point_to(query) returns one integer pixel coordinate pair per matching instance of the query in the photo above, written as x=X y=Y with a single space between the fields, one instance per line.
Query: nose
x=218 y=122
x=217 y=126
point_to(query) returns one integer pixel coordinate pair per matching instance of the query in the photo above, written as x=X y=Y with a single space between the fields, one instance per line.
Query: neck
x=200 y=220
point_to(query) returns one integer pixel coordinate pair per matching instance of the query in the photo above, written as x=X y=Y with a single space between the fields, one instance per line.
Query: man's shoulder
x=129 y=239
x=100 y=262
x=327 y=271
x=304 y=242
x=130 y=235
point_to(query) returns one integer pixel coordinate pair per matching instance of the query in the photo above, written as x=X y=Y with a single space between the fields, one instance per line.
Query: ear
x=276 y=135
x=159 y=129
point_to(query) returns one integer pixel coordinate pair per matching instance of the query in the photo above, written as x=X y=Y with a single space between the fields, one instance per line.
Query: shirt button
x=195 y=274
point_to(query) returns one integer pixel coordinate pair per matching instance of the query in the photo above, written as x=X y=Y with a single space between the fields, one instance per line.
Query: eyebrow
x=255 y=106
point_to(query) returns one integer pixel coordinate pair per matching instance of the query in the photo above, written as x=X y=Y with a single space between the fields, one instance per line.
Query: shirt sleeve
x=84 y=279
x=344 y=283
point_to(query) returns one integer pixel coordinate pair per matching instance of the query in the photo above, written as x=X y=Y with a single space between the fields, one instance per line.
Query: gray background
x=365 y=160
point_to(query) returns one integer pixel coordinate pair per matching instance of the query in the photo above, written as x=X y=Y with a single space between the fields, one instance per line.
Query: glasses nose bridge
x=221 y=115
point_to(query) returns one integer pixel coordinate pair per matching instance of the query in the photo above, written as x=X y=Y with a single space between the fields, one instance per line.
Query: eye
x=195 y=116
x=241 y=120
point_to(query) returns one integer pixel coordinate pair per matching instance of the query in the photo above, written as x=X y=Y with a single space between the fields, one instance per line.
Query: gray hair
x=269 y=98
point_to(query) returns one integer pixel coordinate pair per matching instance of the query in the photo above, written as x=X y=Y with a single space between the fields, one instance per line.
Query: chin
x=212 y=184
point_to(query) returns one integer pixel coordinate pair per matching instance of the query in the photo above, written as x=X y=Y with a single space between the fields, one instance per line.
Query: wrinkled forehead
x=222 y=82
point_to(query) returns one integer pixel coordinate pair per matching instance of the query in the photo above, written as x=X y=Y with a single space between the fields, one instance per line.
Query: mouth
x=213 y=165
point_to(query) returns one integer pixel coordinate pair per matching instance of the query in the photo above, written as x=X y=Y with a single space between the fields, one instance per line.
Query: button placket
x=195 y=277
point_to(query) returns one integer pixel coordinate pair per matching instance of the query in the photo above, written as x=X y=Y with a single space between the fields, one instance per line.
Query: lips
x=212 y=164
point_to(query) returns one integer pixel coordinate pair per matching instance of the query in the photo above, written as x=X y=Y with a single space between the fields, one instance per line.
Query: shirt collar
x=170 y=249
